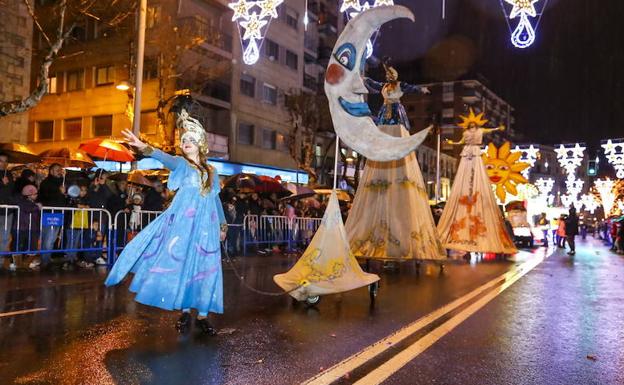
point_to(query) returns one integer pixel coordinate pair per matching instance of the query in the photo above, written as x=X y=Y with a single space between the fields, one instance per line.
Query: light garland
x=353 y=8
x=590 y=202
x=615 y=155
x=529 y=155
x=247 y=17
x=570 y=158
x=525 y=32
x=607 y=194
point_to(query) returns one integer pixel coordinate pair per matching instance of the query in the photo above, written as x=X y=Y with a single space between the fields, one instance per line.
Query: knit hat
x=29 y=190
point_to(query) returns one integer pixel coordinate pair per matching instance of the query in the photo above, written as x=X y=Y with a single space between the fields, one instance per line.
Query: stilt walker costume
x=390 y=218
x=471 y=220
x=176 y=259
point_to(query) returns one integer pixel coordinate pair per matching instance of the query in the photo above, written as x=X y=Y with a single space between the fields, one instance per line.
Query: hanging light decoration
x=606 y=190
x=523 y=35
x=614 y=151
x=570 y=159
x=353 y=7
x=529 y=155
x=253 y=17
x=590 y=202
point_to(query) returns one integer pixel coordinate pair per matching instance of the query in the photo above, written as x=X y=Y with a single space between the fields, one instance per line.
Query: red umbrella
x=255 y=183
x=107 y=149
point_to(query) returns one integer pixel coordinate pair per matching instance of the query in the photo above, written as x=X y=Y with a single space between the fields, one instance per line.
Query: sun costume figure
x=176 y=259
x=471 y=220
x=390 y=218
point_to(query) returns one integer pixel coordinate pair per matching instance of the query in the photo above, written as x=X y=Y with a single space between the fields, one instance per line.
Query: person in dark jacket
x=27 y=176
x=6 y=198
x=571 y=230
x=154 y=197
x=51 y=194
x=98 y=196
x=26 y=227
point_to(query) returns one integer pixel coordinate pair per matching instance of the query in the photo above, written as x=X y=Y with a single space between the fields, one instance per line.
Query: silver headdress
x=192 y=129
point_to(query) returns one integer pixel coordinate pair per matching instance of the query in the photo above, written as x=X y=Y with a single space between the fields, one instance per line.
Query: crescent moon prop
x=345 y=90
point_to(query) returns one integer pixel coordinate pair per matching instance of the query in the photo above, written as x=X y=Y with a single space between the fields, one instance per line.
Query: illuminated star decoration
x=352 y=8
x=606 y=190
x=615 y=155
x=529 y=155
x=524 y=33
x=570 y=158
x=253 y=17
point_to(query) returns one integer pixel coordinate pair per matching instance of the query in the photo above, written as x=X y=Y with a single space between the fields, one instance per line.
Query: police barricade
x=127 y=224
x=48 y=230
x=271 y=230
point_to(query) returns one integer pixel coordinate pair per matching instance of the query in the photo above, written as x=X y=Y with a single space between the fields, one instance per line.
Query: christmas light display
x=353 y=7
x=570 y=159
x=606 y=190
x=253 y=17
x=614 y=151
x=525 y=32
x=529 y=155
x=590 y=202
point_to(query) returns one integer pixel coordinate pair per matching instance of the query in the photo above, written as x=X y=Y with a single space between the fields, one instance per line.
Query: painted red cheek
x=334 y=74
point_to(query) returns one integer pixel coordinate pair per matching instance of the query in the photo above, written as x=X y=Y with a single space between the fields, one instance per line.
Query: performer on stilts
x=390 y=218
x=472 y=221
x=176 y=259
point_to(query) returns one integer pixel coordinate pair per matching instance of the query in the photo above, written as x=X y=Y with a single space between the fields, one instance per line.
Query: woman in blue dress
x=176 y=259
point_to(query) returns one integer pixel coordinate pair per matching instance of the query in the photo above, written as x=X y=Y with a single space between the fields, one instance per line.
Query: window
x=75 y=80
x=292 y=60
x=269 y=94
x=269 y=139
x=248 y=85
x=271 y=49
x=103 y=125
x=291 y=18
x=104 y=75
x=149 y=122
x=150 y=68
x=45 y=130
x=72 y=128
x=52 y=83
x=246 y=133
x=281 y=142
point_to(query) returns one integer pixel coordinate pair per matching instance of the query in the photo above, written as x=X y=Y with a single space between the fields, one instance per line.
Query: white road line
x=12 y=313
x=356 y=360
x=391 y=366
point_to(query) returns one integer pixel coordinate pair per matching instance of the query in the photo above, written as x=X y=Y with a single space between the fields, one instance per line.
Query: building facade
x=16 y=32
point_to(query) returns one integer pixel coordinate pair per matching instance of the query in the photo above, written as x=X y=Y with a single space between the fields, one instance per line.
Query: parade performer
x=471 y=220
x=176 y=259
x=391 y=218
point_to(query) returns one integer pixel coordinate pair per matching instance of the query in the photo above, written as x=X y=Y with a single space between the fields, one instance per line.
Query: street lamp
x=123 y=86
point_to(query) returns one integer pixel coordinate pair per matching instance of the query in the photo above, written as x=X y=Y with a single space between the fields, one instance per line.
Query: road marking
x=382 y=372
x=358 y=359
x=12 y=313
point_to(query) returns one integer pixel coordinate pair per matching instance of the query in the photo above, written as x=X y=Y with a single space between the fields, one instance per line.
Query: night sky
x=568 y=86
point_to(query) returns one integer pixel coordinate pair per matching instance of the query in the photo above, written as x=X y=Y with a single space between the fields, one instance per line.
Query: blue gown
x=176 y=259
x=392 y=111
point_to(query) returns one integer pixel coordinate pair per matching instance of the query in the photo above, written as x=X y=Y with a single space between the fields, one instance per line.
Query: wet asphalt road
x=93 y=335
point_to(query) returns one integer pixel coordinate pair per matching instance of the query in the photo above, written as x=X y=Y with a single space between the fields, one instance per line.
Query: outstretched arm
x=373 y=86
x=414 y=89
x=169 y=161
x=461 y=141
x=489 y=130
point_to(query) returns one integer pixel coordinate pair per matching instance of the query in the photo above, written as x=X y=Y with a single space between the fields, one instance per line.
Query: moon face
x=345 y=90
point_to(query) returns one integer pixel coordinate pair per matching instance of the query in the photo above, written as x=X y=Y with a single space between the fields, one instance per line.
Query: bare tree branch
x=31 y=12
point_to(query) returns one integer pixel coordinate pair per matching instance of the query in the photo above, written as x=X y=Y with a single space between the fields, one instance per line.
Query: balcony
x=471 y=95
x=220 y=41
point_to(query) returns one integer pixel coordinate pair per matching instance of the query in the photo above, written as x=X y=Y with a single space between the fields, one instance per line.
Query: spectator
x=6 y=198
x=77 y=233
x=619 y=239
x=229 y=210
x=98 y=196
x=155 y=197
x=561 y=235
x=542 y=223
x=51 y=194
x=437 y=214
x=254 y=204
x=26 y=227
x=571 y=230
x=27 y=176
x=136 y=223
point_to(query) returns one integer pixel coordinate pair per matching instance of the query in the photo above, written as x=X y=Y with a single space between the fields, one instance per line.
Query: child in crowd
x=77 y=234
x=26 y=227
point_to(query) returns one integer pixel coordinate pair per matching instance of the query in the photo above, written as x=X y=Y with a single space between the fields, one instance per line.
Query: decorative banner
x=503 y=169
x=523 y=35
x=353 y=7
x=529 y=155
x=615 y=155
x=252 y=17
x=570 y=159
x=606 y=189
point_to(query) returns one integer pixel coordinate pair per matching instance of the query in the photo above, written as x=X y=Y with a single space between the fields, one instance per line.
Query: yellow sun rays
x=503 y=169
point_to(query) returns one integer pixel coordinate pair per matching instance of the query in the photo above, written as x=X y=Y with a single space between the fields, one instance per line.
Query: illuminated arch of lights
x=252 y=19
x=525 y=32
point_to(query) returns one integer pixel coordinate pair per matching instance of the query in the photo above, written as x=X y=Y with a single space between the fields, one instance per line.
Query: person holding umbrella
x=176 y=259
x=6 y=198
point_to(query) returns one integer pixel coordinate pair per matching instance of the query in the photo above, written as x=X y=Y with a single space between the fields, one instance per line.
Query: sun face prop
x=503 y=169
x=478 y=120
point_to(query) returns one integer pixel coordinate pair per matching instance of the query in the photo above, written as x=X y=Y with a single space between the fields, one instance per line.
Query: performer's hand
x=448 y=141
x=501 y=127
x=133 y=140
x=425 y=90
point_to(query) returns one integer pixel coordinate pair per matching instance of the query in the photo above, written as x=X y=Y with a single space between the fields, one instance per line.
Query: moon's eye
x=345 y=55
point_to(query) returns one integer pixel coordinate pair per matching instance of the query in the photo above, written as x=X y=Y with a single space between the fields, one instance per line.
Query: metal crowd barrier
x=278 y=230
x=127 y=224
